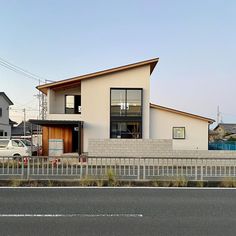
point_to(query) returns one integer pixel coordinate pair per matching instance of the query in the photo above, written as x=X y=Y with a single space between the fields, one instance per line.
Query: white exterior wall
x=4 y=120
x=196 y=130
x=95 y=99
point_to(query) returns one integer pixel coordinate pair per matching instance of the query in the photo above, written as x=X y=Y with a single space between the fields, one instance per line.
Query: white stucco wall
x=95 y=101
x=95 y=98
x=196 y=130
x=4 y=119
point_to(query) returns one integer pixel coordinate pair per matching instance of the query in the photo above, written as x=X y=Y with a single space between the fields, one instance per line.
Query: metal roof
x=55 y=122
x=75 y=80
x=209 y=120
x=228 y=128
x=6 y=98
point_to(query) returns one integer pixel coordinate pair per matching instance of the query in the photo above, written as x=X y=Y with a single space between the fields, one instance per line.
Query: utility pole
x=24 y=121
x=218 y=115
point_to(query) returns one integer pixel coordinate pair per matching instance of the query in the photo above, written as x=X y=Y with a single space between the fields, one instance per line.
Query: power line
x=20 y=70
x=26 y=73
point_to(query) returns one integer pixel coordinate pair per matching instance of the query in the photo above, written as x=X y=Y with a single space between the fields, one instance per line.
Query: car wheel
x=15 y=156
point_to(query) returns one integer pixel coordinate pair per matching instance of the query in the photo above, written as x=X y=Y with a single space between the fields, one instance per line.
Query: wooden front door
x=57 y=132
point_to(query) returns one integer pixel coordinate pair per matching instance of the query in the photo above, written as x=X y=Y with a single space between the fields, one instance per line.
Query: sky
x=59 y=39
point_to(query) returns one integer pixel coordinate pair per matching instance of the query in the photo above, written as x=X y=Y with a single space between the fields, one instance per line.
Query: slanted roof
x=209 y=120
x=12 y=122
x=6 y=98
x=228 y=128
x=75 y=80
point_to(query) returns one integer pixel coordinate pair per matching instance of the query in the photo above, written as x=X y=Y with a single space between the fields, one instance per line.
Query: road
x=118 y=211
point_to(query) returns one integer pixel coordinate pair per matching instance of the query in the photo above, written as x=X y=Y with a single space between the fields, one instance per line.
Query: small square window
x=178 y=132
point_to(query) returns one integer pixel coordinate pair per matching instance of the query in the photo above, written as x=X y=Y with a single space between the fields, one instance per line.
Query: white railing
x=121 y=168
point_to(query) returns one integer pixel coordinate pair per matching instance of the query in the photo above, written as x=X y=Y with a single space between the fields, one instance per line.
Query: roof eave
x=152 y=62
x=209 y=120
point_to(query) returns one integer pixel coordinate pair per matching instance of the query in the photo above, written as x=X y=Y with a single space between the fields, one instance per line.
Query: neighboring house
x=18 y=131
x=115 y=104
x=31 y=131
x=225 y=131
x=5 y=126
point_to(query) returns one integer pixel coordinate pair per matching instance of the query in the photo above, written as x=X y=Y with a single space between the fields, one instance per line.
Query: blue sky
x=57 y=39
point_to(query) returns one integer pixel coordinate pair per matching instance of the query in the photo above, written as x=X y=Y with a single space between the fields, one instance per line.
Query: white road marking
x=71 y=215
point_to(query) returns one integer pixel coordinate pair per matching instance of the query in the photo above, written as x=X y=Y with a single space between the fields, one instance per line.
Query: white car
x=13 y=147
x=32 y=148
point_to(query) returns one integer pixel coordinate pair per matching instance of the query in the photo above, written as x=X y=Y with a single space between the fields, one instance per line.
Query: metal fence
x=121 y=168
x=223 y=145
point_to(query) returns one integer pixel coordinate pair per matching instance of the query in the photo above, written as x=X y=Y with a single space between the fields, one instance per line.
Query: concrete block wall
x=153 y=148
x=128 y=147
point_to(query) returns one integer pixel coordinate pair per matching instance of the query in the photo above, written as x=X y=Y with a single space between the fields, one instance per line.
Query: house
x=18 y=131
x=32 y=132
x=225 y=131
x=115 y=104
x=5 y=124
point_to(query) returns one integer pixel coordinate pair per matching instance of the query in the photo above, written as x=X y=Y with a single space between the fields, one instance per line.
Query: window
x=5 y=133
x=0 y=112
x=128 y=129
x=17 y=143
x=3 y=143
x=1 y=132
x=178 y=132
x=126 y=113
x=126 y=102
x=73 y=104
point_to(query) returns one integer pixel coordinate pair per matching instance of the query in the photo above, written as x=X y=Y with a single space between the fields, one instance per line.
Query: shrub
x=15 y=183
x=111 y=178
x=199 y=184
x=228 y=183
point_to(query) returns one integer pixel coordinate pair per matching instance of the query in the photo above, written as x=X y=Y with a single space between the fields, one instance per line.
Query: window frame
x=75 y=113
x=178 y=127
x=127 y=118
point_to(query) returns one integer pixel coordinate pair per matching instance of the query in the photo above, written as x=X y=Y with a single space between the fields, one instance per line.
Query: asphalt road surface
x=117 y=211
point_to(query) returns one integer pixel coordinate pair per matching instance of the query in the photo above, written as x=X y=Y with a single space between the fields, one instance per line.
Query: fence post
x=28 y=167
x=81 y=168
x=196 y=170
x=138 y=174
x=201 y=170
x=22 y=167
x=144 y=169
x=86 y=170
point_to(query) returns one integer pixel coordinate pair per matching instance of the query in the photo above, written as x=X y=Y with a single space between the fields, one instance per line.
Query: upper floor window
x=0 y=112
x=73 y=104
x=126 y=102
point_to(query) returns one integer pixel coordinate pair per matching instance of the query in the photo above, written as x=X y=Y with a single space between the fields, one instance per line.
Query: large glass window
x=118 y=102
x=134 y=102
x=73 y=104
x=126 y=113
x=126 y=102
x=128 y=129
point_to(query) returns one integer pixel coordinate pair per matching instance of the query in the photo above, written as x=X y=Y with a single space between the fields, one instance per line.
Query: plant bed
x=87 y=182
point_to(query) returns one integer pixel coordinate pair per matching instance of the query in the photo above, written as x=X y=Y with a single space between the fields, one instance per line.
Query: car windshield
x=26 y=142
